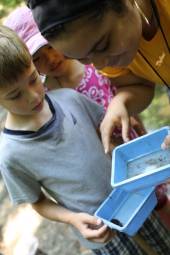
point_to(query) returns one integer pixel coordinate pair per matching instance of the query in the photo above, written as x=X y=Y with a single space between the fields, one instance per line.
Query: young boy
x=50 y=143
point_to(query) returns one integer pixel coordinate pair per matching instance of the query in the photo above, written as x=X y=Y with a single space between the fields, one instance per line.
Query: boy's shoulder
x=71 y=96
x=67 y=98
x=78 y=104
x=64 y=94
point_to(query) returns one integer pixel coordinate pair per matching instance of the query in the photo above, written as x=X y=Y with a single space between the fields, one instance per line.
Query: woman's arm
x=134 y=94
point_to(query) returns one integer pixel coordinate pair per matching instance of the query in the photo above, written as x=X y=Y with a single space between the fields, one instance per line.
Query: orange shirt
x=155 y=51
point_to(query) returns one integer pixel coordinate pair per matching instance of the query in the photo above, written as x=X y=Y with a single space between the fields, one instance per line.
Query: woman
x=132 y=41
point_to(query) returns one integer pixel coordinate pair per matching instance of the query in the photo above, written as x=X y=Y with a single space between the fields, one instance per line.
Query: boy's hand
x=116 y=116
x=92 y=228
x=166 y=143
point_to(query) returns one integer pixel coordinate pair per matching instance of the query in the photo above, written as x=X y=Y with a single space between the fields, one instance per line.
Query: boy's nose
x=32 y=96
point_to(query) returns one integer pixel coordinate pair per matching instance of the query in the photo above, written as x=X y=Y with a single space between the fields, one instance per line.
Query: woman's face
x=112 y=40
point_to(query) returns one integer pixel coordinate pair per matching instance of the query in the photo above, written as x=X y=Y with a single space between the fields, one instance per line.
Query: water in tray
x=148 y=163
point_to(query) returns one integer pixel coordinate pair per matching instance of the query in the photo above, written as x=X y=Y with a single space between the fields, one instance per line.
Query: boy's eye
x=34 y=80
x=16 y=96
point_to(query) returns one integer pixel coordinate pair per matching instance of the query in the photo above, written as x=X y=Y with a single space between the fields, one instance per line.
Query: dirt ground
x=24 y=232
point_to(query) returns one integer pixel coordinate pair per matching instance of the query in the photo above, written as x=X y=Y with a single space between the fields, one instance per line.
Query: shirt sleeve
x=95 y=111
x=114 y=72
x=80 y=104
x=22 y=187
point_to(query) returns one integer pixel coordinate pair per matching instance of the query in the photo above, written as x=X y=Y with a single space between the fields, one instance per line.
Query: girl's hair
x=53 y=19
x=14 y=57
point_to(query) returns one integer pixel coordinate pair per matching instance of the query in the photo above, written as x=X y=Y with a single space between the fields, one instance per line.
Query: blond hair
x=14 y=57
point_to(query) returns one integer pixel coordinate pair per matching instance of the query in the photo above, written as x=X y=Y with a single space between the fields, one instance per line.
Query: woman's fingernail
x=99 y=221
x=163 y=146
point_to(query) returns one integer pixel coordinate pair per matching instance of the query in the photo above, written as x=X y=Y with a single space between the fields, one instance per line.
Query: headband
x=52 y=13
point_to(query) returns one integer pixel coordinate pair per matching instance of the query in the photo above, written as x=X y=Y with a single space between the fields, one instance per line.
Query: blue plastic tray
x=126 y=211
x=141 y=163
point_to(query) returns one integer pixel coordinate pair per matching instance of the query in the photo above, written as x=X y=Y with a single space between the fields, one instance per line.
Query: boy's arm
x=133 y=96
x=89 y=226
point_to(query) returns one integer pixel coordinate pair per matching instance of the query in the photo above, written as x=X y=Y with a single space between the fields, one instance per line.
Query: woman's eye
x=103 y=44
x=102 y=47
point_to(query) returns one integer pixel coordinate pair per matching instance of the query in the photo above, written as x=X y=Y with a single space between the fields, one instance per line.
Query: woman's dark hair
x=53 y=16
x=116 y=4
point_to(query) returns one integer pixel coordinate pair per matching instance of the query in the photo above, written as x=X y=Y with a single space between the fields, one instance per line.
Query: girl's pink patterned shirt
x=99 y=88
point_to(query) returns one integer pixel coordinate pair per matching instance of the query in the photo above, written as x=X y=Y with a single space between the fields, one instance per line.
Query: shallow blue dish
x=126 y=211
x=141 y=163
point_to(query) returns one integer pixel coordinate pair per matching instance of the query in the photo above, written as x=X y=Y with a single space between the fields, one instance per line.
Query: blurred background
x=23 y=231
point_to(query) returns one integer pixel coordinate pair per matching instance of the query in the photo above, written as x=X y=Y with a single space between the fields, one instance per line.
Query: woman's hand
x=116 y=116
x=91 y=228
x=129 y=101
x=133 y=95
x=166 y=143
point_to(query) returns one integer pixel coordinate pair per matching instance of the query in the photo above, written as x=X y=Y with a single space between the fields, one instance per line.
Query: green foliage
x=10 y=3
x=158 y=113
x=7 y=5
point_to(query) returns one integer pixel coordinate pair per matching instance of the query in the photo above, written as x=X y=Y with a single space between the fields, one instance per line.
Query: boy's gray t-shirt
x=65 y=157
